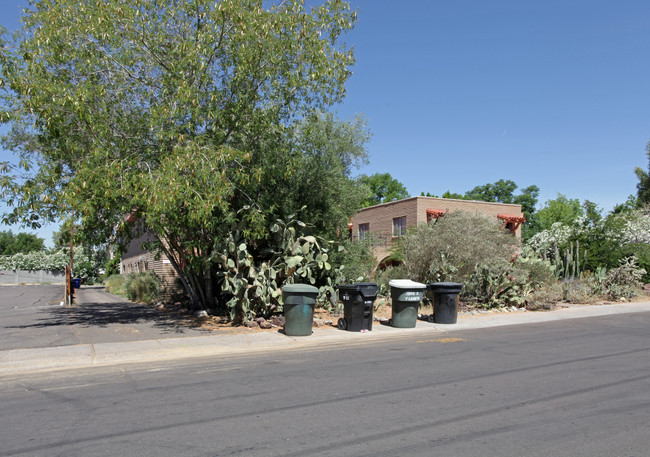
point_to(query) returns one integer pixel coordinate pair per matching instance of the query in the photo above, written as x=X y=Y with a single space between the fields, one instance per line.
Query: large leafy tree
x=11 y=243
x=163 y=114
x=561 y=209
x=327 y=151
x=382 y=188
x=503 y=191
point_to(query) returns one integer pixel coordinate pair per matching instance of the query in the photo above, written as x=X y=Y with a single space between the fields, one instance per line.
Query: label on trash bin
x=411 y=296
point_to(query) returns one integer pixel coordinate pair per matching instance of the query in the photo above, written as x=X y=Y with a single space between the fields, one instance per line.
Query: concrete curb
x=16 y=361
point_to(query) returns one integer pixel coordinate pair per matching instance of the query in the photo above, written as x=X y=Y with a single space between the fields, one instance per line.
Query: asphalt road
x=33 y=316
x=578 y=387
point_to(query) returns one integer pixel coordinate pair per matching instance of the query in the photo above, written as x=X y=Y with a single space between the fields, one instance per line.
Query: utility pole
x=69 y=279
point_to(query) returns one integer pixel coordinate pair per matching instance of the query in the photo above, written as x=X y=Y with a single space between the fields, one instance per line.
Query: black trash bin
x=358 y=300
x=445 y=301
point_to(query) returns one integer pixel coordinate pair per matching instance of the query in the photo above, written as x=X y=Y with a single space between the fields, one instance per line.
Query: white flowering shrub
x=546 y=240
x=636 y=229
x=87 y=264
x=36 y=260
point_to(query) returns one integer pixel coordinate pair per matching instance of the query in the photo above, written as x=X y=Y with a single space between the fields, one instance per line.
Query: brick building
x=388 y=221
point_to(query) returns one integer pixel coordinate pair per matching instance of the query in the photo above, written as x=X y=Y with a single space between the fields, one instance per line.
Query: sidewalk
x=139 y=340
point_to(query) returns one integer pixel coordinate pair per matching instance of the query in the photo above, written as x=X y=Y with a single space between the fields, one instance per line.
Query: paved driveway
x=33 y=316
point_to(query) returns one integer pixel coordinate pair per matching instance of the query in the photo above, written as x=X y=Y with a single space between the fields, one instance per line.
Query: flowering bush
x=87 y=264
x=546 y=240
x=37 y=260
x=590 y=244
x=636 y=228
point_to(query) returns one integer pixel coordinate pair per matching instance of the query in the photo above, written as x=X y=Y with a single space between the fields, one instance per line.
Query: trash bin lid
x=406 y=284
x=444 y=286
x=368 y=289
x=299 y=289
x=348 y=287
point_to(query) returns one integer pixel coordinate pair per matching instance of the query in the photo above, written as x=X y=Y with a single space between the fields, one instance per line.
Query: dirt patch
x=382 y=310
x=329 y=319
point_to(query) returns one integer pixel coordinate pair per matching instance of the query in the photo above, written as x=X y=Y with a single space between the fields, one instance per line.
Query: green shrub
x=538 y=270
x=625 y=281
x=494 y=286
x=383 y=277
x=546 y=296
x=450 y=248
x=36 y=260
x=356 y=261
x=112 y=266
x=143 y=287
x=580 y=291
x=115 y=285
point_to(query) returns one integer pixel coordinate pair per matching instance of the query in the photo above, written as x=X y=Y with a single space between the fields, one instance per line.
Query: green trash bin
x=406 y=296
x=299 y=301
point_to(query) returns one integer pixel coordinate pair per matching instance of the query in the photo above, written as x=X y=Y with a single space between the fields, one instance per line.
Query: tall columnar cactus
x=566 y=259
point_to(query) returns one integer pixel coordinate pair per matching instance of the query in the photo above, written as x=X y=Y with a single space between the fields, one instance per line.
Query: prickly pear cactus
x=254 y=288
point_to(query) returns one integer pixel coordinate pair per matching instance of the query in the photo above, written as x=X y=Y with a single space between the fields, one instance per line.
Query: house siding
x=136 y=259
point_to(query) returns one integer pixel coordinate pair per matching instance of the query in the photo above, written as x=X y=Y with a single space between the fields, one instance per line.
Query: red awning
x=512 y=218
x=435 y=213
x=511 y=221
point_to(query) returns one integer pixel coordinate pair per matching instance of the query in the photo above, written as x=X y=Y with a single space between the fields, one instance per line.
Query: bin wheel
x=342 y=324
x=431 y=318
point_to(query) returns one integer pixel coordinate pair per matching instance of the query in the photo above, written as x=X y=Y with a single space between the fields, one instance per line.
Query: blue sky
x=460 y=93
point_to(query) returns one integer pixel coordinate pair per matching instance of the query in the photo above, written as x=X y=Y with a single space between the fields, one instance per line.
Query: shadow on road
x=102 y=310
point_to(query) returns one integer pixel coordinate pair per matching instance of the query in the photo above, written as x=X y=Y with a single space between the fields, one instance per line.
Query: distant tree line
x=11 y=243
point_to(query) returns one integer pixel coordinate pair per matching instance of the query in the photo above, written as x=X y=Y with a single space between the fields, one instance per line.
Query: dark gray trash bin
x=358 y=300
x=445 y=301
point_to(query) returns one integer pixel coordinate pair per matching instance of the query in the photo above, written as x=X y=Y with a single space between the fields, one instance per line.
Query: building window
x=364 y=230
x=399 y=226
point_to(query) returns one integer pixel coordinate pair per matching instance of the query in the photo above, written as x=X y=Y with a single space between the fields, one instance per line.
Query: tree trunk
x=193 y=292
x=209 y=294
